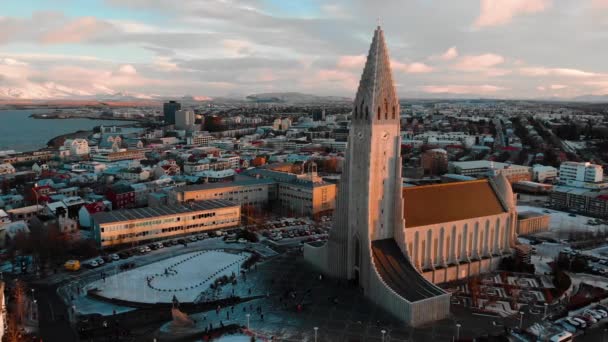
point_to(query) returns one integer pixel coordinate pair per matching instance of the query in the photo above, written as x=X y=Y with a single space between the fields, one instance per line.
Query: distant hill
x=294 y=98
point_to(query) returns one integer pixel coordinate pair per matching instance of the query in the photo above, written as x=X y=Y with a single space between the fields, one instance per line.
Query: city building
x=304 y=194
x=121 y=196
x=6 y=169
x=367 y=244
x=318 y=114
x=169 y=109
x=542 y=173
x=243 y=191
x=199 y=138
x=486 y=168
x=583 y=175
x=133 y=226
x=184 y=119
x=108 y=157
x=581 y=200
x=77 y=147
x=435 y=161
x=532 y=222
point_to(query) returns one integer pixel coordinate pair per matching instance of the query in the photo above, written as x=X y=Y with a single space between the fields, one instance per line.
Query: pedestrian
x=262 y=317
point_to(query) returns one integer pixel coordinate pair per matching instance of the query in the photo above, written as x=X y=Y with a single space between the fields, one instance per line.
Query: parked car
x=594 y=314
x=115 y=257
x=92 y=264
x=181 y=241
x=602 y=312
x=143 y=250
x=106 y=258
x=581 y=321
x=100 y=261
x=123 y=255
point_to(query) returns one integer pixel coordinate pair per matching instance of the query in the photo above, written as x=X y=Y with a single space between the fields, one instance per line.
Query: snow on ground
x=184 y=277
x=562 y=221
x=234 y=338
x=85 y=305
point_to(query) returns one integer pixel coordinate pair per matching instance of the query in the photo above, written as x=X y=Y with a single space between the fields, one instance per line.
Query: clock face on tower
x=385 y=135
x=360 y=135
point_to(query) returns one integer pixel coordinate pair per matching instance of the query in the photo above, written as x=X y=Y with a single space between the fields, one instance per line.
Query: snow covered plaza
x=186 y=277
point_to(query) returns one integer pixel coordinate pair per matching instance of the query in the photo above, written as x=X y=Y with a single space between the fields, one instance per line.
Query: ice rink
x=184 y=277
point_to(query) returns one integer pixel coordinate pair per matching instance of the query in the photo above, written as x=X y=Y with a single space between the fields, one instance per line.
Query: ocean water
x=21 y=133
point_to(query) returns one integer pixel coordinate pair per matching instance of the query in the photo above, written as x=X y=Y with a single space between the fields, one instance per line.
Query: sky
x=210 y=48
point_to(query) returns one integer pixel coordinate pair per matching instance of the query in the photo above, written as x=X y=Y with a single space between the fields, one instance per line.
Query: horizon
x=148 y=49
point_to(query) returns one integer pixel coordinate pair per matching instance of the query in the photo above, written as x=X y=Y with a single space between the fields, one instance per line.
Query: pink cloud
x=500 y=12
x=599 y=3
x=461 y=89
x=127 y=69
x=450 y=54
x=479 y=62
x=75 y=31
x=411 y=68
x=558 y=86
x=351 y=62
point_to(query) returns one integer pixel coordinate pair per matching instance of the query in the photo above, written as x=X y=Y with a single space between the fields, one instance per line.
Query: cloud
x=479 y=62
x=500 y=12
x=127 y=69
x=599 y=4
x=461 y=89
x=351 y=62
x=558 y=86
x=75 y=31
x=541 y=88
x=449 y=54
x=411 y=68
x=544 y=71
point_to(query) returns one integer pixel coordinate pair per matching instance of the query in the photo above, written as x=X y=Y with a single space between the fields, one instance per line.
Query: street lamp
x=316 y=330
x=521 y=320
x=247 y=315
x=383 y=333
x=458 y=331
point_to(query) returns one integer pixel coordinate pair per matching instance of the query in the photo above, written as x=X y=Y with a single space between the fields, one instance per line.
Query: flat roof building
x=129 y=226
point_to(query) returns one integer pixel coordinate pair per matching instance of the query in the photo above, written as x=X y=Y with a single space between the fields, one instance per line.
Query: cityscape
x=314 y=173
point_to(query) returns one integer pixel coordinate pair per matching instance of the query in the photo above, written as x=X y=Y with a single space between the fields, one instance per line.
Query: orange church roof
x=440 y=203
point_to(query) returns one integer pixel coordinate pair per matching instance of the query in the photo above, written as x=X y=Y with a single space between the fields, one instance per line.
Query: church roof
x=441 y=203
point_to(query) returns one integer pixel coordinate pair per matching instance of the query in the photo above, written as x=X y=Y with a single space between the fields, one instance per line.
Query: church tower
x=367 y=241
x=369 y=205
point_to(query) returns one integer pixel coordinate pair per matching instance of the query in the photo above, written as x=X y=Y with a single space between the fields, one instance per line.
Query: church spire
x=376 y=98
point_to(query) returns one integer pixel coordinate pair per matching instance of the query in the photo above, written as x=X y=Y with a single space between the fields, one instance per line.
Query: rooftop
x=241 y=181
x=439 y=203
x=168 y=210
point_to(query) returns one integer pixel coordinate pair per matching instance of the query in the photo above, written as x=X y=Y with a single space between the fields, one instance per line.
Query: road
x=53 y=316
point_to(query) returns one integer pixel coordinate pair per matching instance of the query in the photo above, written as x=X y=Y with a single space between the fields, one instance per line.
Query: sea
x=20 y=132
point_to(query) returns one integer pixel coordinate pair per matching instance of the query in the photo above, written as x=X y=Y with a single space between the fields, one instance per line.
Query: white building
x=580 y=174
x=542 y=173
x=6 y=169
x=281 y=124
x=184 y=119
x=200 y=138
x=483 y=168
x=77 y=147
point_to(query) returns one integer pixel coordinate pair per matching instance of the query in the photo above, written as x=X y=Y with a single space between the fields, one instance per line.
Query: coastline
x=60 y=116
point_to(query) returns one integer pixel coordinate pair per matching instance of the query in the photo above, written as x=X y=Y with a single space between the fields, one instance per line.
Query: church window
x=393 y=112
x=379 y=109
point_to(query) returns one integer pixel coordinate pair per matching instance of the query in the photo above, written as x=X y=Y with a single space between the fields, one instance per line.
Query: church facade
x=371 y=243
